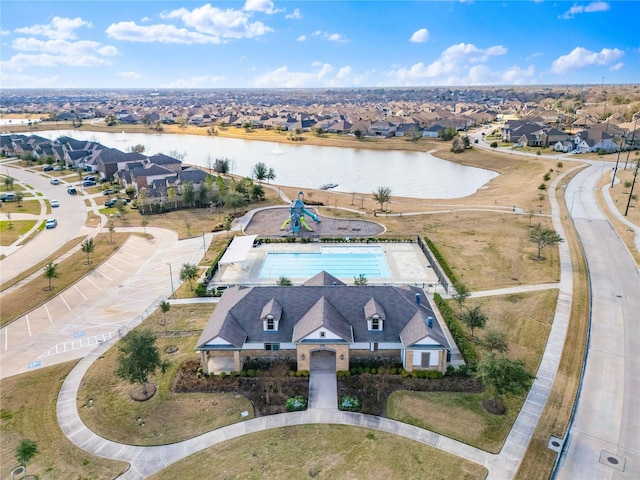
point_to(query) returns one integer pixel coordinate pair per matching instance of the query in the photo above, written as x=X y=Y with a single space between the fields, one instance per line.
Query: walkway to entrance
x=323 y=385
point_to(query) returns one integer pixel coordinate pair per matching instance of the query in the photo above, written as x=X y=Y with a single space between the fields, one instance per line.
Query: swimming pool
x=341 y=262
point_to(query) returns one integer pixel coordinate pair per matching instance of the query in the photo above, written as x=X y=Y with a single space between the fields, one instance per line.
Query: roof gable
x=322 y=314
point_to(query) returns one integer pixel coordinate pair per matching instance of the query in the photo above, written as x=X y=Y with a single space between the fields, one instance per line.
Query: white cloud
x=27 y=81
x=533 y=55
x=462 y=64
x=145 y=19
x=5 y=32
x=591 y=8
x=51 y=53
x=158 y=33
x=213 y=21
x=420 y=36
x=301 y=38
x=452 y=62
x=332 y=37
x=193 y=82
x=616 y=67
x=581 y=57
x=296 y=15
x=264 y=6
x=59 y=28
x=323 y=75
x=131 y=75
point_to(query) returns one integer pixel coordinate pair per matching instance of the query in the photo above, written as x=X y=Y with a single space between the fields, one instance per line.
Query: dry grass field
x=115 y=416
x=332 y=452
x=29 y=411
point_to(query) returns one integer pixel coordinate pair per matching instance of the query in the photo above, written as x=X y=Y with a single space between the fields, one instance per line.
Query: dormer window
x=270 y=323
x=374 y=323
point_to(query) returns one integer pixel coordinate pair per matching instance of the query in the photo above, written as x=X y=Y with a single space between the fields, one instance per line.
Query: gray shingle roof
x=322 y=314
x=340 y=308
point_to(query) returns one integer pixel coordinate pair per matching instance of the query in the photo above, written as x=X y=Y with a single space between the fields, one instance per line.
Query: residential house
x=433 y=131
x=145 y=176
x=325 y=314
x=593 y=141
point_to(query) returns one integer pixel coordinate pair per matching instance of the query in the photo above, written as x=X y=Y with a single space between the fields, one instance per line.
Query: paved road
x=71 y=217
x=604 y=439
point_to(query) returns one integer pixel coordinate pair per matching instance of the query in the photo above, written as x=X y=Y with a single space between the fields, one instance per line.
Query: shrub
x=223 y=375
x=466 y=348
x=296 y=404
x=349 y=404
x=251 y=372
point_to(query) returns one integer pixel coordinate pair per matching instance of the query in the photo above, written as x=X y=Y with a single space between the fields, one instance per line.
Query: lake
x=407 y=174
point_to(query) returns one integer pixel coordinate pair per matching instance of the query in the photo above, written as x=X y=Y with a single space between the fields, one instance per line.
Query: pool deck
x=407 y=265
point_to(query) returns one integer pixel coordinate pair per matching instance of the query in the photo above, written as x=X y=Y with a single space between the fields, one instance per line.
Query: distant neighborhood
x=563 y=119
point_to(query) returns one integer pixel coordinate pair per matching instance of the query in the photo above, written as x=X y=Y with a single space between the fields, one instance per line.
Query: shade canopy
x=237 y=252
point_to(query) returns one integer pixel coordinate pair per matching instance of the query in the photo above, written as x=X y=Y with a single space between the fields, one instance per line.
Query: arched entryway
x=323 y=386
x=323 y=361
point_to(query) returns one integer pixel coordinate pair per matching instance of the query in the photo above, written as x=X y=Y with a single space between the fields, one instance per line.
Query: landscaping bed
x=267 y=390
x=373 y=390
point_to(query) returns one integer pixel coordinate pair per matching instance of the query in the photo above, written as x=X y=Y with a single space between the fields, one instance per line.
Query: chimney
x=418 y=298
x=430 y=322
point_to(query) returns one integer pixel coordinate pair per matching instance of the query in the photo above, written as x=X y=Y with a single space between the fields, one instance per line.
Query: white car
x=51 y=223
x=54 y=203
x=54 y=181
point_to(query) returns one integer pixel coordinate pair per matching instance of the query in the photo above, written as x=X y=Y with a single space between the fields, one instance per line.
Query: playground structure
x=296 y=215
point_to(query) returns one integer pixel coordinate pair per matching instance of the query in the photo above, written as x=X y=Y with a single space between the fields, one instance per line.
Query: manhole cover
x=612 y=460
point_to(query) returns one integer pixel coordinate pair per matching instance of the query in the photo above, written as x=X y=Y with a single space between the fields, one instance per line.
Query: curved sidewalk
x=146 y=461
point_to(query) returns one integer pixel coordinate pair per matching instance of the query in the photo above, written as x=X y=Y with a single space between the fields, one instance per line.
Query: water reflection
x=407 y=174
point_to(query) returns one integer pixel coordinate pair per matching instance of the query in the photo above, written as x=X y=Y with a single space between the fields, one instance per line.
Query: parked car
x=88 y=183
x=89 y=178
x=51 y=223
x=108 y=191
x=111 y=203
x=54 y=204
x=54 y=181
x=71 y=190
x=57 y=168
x=47 y=168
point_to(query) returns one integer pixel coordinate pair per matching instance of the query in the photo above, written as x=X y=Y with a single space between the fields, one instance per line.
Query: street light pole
x=204 y=246
x=173 y=292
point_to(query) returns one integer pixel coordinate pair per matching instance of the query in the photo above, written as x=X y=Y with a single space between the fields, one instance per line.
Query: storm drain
x=612 y=460
x=555 y=444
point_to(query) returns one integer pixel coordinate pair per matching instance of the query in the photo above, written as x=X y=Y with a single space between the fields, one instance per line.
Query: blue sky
x=316 y=44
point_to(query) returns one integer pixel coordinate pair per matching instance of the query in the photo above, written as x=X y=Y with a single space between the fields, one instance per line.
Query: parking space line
x=111 y=266
x=78 y=290
x=28 y=325
x=91 y=282
x=98 y=271
x=65 y=302
x=6 y=338
x=48 y=314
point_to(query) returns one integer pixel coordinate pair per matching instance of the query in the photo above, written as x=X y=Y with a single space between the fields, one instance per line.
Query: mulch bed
x=268 y=394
